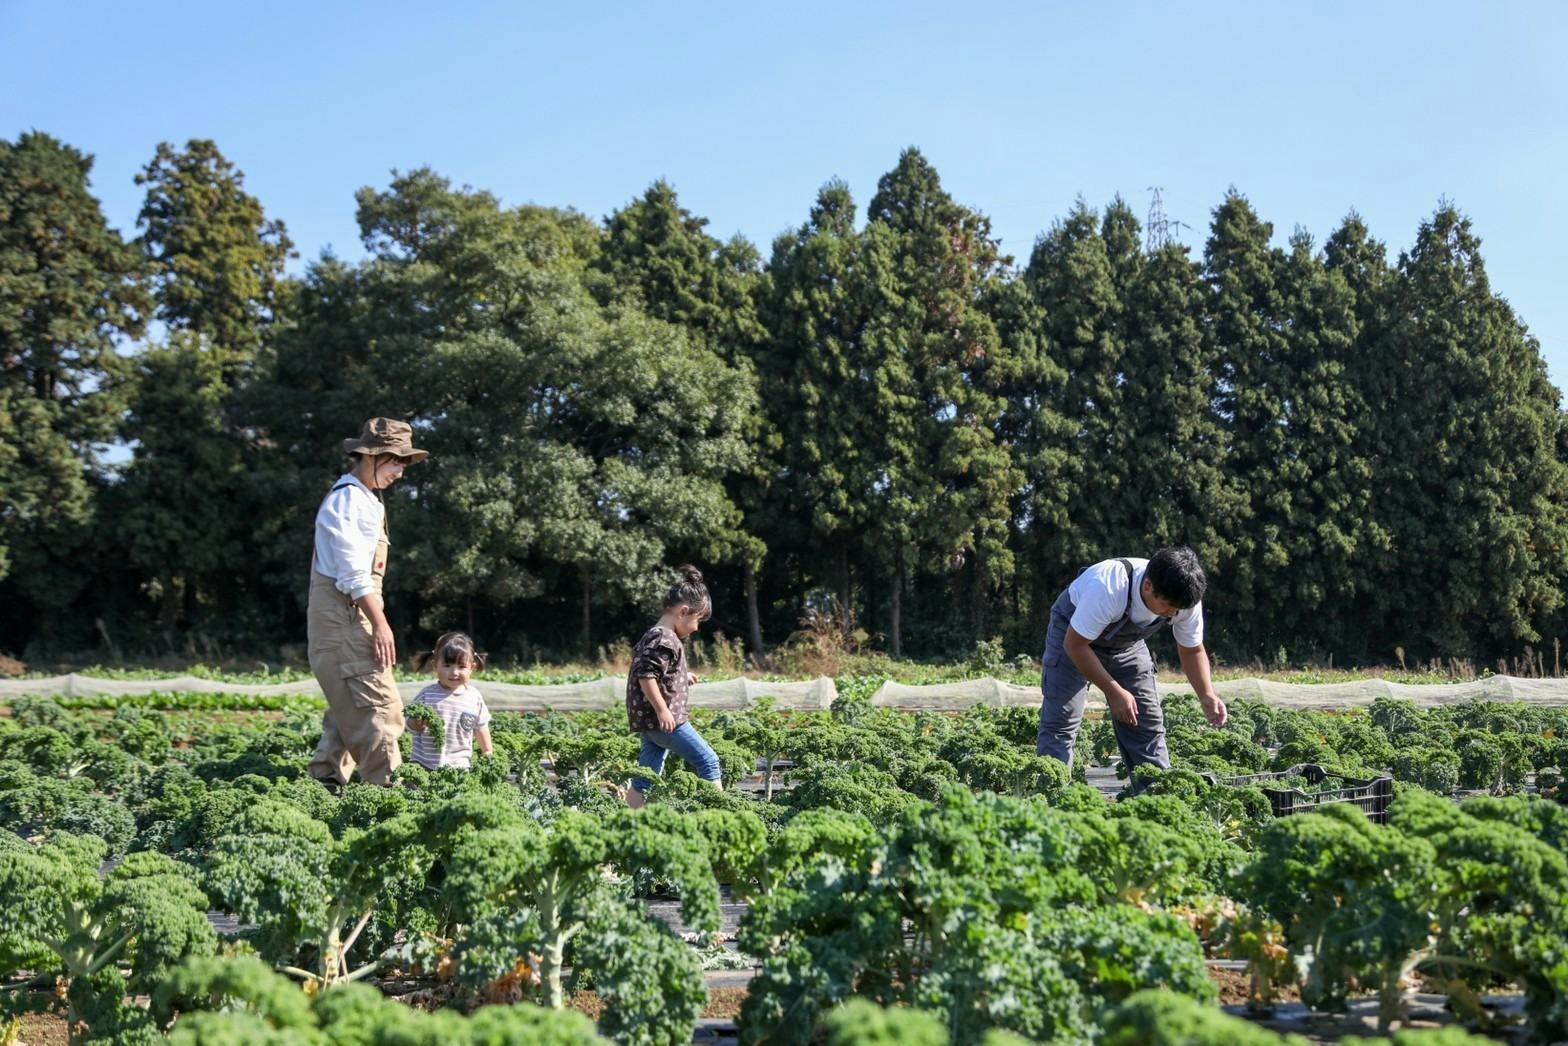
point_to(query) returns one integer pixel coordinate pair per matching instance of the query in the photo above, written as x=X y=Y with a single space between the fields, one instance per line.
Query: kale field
x=169 y=872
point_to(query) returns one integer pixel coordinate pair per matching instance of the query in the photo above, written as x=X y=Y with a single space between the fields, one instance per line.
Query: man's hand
x=666 y=720
x=1123 y=706
x=381 y=645
x=416 y=725
x=1214 y=708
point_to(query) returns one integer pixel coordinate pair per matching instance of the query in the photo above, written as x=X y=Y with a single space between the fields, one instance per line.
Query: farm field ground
x=172 y=866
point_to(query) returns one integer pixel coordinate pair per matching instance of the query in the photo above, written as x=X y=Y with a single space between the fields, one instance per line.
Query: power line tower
x=1160 y=229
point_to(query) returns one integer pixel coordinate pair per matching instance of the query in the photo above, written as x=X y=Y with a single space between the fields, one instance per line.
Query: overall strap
x=1127 y=566
x=341 y=484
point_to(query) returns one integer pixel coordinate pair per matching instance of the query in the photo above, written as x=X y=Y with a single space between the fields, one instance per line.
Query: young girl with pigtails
x=657 y=685
x=453 y=703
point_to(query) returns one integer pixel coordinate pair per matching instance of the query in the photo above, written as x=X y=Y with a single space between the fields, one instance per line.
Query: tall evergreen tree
x=659 y=255
x=1248 y=316
x=1175 y=467
x=945 y=480
x=216 y=258
x=1363 y=263
x=69 y=289
x=1469 y=486
x=1323 y=492
x=1038 y=437
x=662 y=253
x=186 y=507
x=819 y=396
x=1071 y=277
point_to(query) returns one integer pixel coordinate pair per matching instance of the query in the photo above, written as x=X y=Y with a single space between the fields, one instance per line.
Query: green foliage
x=520 y=891
x=310 y=894
x=70 y=926
x=69 y=287
x=1153 y=849
x=941 y=478
x=1001 y=924
x=35 y=803
x=620 y=409
x=1163 y=1018
x=852 y=788
x=429 y=720
x=809 y=837
x=1435 y=769
x=184 y=509
x=1500 y=906
x=224 y=1001
x=1354 y=899
x=1457 y=369
x=861 y=1023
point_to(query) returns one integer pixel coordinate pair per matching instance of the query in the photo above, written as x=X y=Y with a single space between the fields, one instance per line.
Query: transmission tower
x=1160 y=229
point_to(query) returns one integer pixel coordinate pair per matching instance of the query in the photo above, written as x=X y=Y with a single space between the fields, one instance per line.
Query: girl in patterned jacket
x=657 y=684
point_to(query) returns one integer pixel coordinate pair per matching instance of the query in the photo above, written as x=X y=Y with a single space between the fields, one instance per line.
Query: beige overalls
x=364 y=714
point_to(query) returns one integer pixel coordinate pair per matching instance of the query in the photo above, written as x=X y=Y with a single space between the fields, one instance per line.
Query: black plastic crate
x=1369 y=794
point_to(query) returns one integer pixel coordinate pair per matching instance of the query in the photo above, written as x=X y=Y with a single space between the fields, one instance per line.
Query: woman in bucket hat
x=351 y=647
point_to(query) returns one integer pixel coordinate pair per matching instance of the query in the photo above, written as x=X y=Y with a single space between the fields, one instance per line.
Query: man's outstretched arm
x=1195 y=665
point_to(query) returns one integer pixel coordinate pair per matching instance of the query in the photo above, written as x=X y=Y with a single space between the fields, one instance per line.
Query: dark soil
x=40 y=1029
x=723 y=1003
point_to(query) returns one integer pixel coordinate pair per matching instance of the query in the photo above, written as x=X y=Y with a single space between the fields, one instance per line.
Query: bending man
x=1097 y=635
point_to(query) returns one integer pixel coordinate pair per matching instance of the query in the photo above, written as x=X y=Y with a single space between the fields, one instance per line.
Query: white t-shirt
x=1099 y=598
x=349 y=524
x=462 y=712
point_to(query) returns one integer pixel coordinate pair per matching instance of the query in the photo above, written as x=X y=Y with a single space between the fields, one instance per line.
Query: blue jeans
x=685 y=742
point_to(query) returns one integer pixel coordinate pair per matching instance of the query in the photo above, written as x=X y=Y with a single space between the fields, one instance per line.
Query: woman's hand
x=415 y=725
x=691 y=678
x=666 y=720
x=382 y=646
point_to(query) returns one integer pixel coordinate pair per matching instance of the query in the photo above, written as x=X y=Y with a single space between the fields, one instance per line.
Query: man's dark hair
x=1177 y=576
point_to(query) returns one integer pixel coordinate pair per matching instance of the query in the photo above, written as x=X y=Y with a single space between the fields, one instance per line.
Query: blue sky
x=1311 y=109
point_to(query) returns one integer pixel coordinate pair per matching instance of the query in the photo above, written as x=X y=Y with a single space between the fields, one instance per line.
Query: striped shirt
x=462 y=712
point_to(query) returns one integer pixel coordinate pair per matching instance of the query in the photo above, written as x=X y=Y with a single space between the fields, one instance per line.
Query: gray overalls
x=1125 y=655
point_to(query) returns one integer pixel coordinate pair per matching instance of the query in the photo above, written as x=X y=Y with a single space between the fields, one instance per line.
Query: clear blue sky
x=1311 y=109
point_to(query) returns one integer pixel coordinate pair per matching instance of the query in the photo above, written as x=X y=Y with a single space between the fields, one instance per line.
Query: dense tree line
x=884 y=419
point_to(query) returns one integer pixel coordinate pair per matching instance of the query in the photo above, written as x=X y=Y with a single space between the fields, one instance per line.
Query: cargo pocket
x=367 y=686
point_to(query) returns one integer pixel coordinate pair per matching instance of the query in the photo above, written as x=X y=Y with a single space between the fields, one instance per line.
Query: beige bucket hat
x=386 y=436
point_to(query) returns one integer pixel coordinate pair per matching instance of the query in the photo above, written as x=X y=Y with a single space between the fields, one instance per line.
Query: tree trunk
x=843 y=589
x=1013 y=582
x=759 y=652
x=1390 y=1000
x=977 y=595
x=173 y=597
x=895 y=612
x=587 y=615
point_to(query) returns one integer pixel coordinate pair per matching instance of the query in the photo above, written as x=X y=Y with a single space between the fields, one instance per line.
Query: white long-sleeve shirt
x=348 y=527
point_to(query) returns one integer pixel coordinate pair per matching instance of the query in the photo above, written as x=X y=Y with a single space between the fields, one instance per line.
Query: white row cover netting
x=948 y=697
x=733 y=694
x=819 y=693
